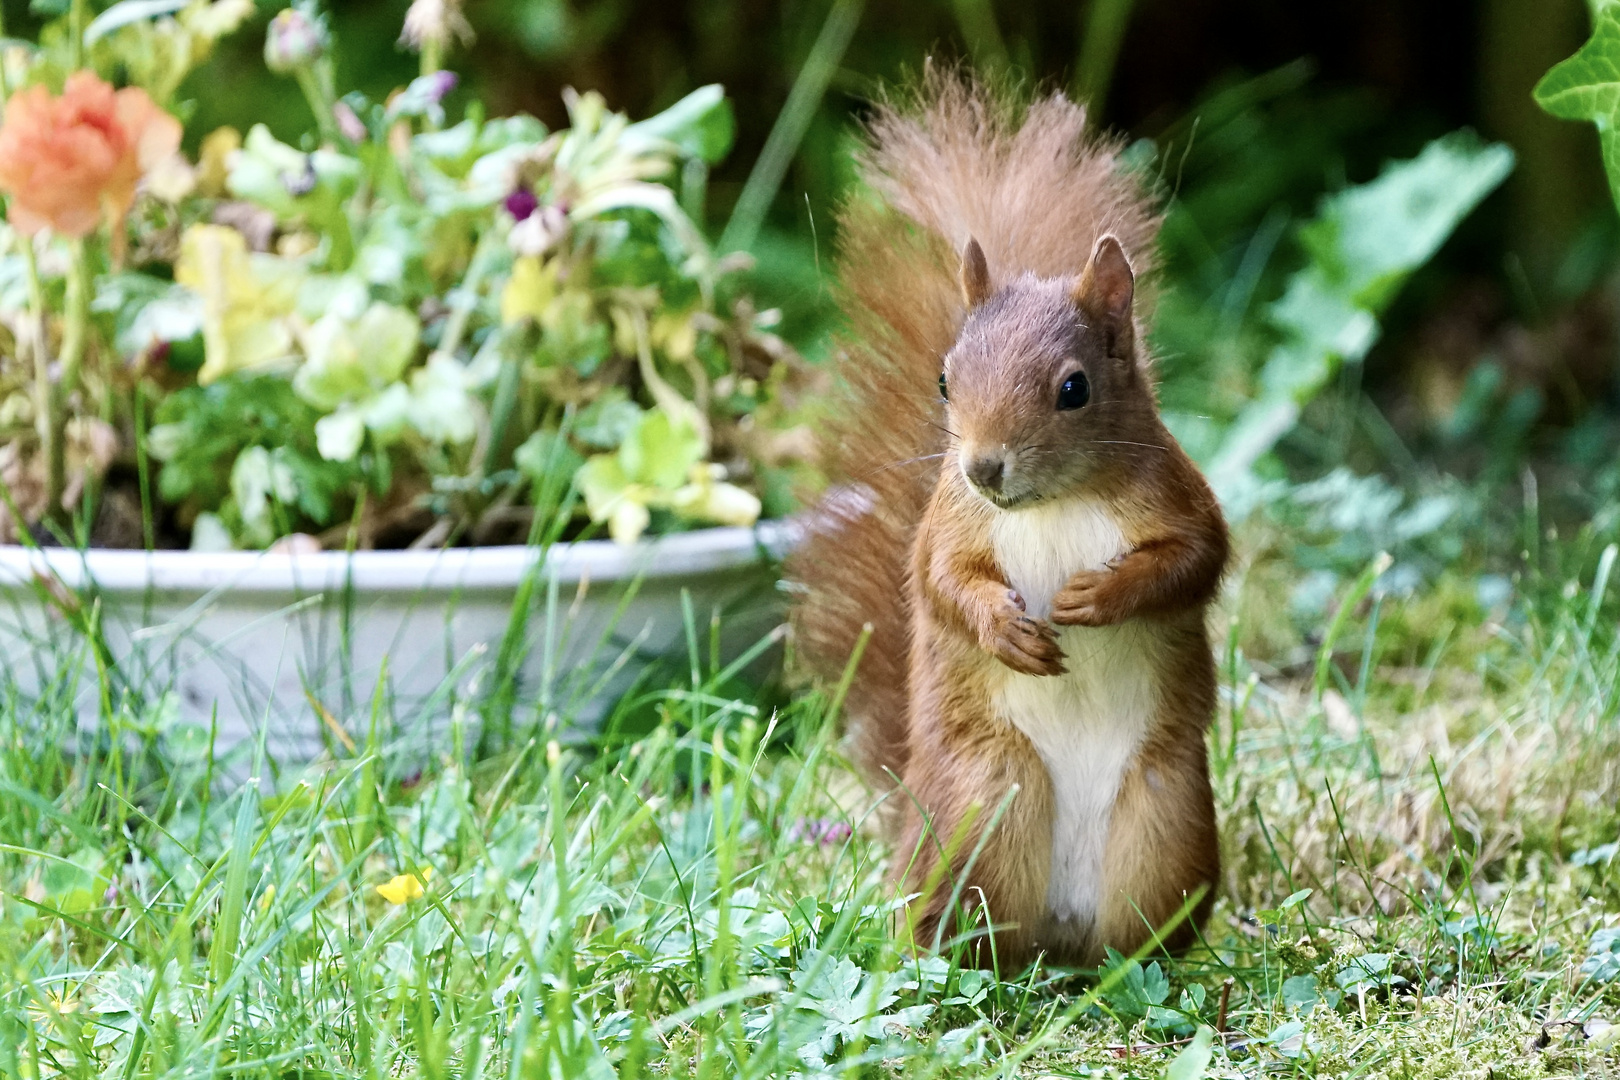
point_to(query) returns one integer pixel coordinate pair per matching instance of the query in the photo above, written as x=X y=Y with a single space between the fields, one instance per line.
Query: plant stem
x=791 y=125
x=465 y=299
x=432 y=56
x=75 y=334
x=47 y=400
x=977 y=21
x=143 y=468
x=76 y=23
x=1106 y=21
x=317 y=93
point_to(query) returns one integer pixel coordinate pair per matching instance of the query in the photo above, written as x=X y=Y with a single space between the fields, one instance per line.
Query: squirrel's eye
x=942 y=392
x=1074 y=392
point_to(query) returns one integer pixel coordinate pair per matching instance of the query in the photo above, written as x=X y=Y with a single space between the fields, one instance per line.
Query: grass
x=1418 y=819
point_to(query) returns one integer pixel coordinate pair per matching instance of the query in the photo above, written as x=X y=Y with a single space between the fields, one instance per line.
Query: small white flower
x=539 y=232
x=435 y=22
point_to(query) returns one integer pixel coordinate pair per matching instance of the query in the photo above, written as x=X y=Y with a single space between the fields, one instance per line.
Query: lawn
x=1418 y=820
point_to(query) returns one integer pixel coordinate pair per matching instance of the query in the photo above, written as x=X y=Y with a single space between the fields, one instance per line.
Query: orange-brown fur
x=1052 y=229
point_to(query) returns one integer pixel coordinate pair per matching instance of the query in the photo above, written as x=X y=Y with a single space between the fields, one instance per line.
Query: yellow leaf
x=628 y=521
x=528 y=291
x=214 y=160
x=675 y=335
x=246 y=299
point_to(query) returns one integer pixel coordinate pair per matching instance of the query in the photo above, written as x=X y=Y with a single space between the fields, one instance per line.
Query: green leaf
x=200 y=433
x=1364 y=243
x=546 y=453
x=76 y=884
x=1587 y=87
x=1300 y=992
x=1193 y=1061
x=1155 y=984
x=293 y=184
x=1367 y=972
x=701 y=124
x=605 y=422
x=1368 y=238
x=661 y=450
x=349 y=360
x=1289 y=1038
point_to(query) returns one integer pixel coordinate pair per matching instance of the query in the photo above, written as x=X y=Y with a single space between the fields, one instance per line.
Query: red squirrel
x=1029 y=550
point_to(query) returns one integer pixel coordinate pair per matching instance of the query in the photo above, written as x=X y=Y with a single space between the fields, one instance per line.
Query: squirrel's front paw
x=1087 y=600
x=1023 y=643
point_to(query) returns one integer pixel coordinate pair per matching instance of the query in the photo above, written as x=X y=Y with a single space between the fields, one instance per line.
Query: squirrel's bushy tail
x=950 y=162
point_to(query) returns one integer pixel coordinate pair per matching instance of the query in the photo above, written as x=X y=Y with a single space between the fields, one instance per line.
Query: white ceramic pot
x=264 y=637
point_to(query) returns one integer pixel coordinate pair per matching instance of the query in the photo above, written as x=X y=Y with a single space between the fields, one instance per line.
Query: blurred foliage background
x=1500 y=350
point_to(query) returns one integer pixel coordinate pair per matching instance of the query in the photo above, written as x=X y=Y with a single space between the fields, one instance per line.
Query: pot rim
x=691 y=554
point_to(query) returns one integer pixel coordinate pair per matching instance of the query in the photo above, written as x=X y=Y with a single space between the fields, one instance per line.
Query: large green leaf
x=1368 y=238
x=1363 y=245
x=1587 y=87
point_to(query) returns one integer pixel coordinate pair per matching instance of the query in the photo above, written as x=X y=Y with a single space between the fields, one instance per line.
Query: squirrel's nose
x=986 y=472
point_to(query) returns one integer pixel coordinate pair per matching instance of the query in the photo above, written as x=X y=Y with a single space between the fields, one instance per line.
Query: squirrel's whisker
x=900 y=464
x=1126 y=442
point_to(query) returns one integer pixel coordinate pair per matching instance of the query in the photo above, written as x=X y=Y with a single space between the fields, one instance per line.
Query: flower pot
x=296 y=645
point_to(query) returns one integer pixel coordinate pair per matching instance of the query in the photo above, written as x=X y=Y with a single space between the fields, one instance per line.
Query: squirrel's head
x=1043 y=387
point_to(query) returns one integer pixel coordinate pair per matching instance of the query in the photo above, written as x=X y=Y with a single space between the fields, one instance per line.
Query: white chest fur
x=1086 y=725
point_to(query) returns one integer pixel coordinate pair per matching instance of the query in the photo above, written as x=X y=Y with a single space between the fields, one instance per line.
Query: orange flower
x=65 y=161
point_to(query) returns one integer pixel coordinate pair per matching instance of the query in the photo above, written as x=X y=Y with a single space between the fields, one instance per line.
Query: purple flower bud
x=521 y=203
x=294 y=40
x=349 y=123
x=441 y=83
x=822 y=831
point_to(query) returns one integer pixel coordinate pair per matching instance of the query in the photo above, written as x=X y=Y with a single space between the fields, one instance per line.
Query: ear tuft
x=1107 y=287
x=975 y=275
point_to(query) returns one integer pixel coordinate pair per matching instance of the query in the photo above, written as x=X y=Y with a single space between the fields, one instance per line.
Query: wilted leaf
x=126 y=12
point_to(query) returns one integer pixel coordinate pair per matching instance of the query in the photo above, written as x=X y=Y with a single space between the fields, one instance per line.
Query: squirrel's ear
x=975 y=275
x=1105 y=292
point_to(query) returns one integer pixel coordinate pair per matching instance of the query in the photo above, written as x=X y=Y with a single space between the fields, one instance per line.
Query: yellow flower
x=55 y=1006
x=246 y=299
x=405 y=887
x=214 y=161
x=709 y=498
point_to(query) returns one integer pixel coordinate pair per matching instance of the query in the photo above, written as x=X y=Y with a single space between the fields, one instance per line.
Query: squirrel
x=1025 y=551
